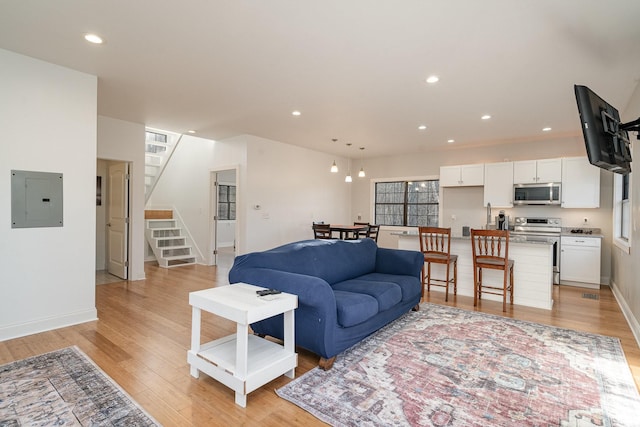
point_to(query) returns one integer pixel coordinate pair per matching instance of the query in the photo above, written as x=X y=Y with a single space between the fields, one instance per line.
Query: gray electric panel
x=36 y=199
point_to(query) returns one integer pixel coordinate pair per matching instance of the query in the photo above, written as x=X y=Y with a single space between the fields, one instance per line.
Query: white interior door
x=118 y=220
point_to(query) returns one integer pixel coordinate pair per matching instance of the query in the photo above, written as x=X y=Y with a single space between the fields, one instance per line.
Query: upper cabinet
x=498 y=184
x=580 y=183
x=580 y=180
x=463 y=175
x=537 y=171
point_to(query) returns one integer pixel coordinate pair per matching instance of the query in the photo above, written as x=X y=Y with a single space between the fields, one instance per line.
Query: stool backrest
x=490 y=246
x=435 y=241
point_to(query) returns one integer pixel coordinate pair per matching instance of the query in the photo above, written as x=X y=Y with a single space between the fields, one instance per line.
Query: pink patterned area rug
x=445 y=366
x=65 y=388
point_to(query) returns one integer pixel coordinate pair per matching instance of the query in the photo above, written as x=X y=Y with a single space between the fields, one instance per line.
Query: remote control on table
x=264 y=292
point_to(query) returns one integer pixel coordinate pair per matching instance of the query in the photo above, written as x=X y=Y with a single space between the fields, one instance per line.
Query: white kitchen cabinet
x=462 y=175
x=498 y=184
x=580 y=261
x=537 y=171
x=580 y=183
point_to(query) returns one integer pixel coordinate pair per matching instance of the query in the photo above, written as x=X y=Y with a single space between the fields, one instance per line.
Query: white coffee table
x=242 y=362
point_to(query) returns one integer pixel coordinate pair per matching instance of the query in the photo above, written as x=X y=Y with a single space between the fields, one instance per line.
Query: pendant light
x=361 y=174
x=348 y=177
x=334 y=166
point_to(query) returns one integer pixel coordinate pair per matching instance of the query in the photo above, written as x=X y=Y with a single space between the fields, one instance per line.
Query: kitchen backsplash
x=463 y=206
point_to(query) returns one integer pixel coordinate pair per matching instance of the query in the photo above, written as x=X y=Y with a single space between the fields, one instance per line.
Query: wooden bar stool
x=490 y=249
x=435 y=245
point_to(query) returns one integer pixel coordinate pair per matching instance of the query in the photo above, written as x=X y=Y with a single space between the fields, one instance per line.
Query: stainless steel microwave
x=537 y=194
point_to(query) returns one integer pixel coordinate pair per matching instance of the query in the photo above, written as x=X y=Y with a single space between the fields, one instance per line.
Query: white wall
x=48 y=122
x=293 y=187
x=124 y=141
x=626 y=267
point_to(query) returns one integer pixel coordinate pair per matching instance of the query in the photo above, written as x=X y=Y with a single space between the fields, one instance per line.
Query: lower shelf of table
x=266 y=361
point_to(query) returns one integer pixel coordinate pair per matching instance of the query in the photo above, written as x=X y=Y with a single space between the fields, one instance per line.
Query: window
x=155 y=142
x=407 y=203
x=622 y=211
x=625 y=217
x=226 y=202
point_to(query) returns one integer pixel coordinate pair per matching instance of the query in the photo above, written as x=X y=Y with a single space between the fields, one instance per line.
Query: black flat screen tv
x=606 y=143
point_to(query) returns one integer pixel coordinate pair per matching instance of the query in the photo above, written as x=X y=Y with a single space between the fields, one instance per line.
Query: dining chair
x=490 y=249
x=372 y=232
x=322 y=231
x=435 y=245
x=361 y=234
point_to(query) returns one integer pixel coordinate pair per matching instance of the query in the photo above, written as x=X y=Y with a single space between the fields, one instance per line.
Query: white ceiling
x=355 y=69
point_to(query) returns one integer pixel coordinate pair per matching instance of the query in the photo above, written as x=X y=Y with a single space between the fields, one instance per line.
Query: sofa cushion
x=410 y=285
x=354 y=308
x=387 y=294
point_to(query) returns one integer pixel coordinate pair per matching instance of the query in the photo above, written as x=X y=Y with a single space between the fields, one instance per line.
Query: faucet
x=488 y=214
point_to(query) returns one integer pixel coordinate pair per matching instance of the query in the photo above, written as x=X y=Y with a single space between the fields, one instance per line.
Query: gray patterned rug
x=448 y=367
x=64 y=388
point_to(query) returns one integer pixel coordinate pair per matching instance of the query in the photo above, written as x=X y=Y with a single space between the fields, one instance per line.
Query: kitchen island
x=533 y=270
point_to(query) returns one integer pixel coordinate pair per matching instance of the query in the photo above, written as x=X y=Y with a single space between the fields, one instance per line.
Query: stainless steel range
x=542 y=230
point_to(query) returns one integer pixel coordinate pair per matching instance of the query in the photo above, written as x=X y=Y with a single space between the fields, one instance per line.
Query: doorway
x=112 y=221
x=223 y=220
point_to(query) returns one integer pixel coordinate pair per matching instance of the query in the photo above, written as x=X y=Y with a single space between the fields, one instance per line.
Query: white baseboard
x=628 y=314
x=42 y=325
x=580 y=284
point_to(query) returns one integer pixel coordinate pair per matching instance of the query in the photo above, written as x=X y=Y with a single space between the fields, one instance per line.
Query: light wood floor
x=143 y=335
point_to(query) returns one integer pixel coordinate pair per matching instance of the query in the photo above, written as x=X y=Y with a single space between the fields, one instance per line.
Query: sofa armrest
x=311 y=291
x=316 y=315
x=399 y=261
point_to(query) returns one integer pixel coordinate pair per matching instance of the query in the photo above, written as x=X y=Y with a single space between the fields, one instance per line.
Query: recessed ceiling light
x=547 y=129
x=433 y=79
x=191 y=131
x=486 y=117
x=93 y=38
x=422 y=127
x=451 y=141
x=296 y=113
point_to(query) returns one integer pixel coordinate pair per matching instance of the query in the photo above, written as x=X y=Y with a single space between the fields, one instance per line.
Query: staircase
x=169 y=245
x=159 y=147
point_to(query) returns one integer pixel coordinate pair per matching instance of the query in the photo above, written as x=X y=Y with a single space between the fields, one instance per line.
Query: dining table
x=348 y=231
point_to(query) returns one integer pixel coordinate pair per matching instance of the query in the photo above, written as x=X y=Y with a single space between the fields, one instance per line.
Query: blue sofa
x=346 y=289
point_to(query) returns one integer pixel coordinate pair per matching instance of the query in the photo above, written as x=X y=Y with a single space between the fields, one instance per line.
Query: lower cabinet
x=580 y=261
